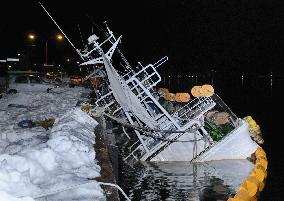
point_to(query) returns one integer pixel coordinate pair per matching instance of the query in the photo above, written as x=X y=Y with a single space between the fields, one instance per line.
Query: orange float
x=170 y=96
x=182 y=97
x=163 y=90
x=204 y=90
x=208 y=88
x=196 y=91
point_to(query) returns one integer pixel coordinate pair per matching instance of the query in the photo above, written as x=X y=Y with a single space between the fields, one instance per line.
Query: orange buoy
x=207 y=90
x=196 y=91
x=163 y=90
x=170 y=96
x=182 y=97
x=204 y=90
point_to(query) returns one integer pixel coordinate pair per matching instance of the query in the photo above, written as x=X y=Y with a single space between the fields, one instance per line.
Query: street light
x=59 y=37
x=31 y=36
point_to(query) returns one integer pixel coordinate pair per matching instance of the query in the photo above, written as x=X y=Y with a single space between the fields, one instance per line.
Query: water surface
x=215 y=180
x=257 y=95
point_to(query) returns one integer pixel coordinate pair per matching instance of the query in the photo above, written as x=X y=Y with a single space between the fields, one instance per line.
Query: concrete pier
x=104 y=153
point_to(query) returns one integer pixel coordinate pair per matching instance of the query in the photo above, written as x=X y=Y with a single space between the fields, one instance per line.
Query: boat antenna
x=81 y=35
x=60 y=30
x=95 y=24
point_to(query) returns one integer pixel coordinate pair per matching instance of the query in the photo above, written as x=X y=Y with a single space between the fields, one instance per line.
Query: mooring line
x=41 y=195
x=147 y=131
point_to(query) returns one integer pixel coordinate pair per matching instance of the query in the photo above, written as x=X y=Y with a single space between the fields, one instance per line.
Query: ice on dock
x=55 y=164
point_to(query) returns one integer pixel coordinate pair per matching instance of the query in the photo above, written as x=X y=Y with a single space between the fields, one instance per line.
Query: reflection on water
x=209 y=181
x=185 y=82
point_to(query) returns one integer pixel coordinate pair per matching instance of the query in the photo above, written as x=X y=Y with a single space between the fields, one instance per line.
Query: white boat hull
x=236 y=145
x=181 y=151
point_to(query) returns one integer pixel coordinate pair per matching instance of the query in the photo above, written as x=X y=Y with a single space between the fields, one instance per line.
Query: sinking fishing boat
x=198 y=130
x=190 y=132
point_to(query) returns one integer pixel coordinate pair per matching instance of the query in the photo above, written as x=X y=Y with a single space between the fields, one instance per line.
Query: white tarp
x=125 y=97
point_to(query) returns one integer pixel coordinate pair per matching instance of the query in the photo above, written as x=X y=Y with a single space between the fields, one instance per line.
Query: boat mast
x=78 y=52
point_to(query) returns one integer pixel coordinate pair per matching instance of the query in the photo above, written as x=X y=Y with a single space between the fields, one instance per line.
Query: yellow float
x=255 y=183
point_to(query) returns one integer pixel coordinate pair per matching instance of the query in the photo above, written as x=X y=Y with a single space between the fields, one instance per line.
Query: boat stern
x=236 y=145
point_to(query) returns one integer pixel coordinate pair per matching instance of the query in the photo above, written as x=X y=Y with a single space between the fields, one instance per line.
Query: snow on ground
x=6 y=197
x=55 y=164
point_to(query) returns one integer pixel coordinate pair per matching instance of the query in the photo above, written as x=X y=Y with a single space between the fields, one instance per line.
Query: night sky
x=245 y=36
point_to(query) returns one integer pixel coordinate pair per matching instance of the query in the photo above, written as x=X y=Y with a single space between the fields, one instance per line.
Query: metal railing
x=147 y=76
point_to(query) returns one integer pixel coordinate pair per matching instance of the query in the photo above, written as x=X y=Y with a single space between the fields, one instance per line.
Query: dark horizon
x=234 y=36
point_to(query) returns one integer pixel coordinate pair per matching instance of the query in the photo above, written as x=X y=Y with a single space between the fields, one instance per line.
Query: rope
x=144 y=128
x=116 y=186
x=169 y=140
x=52 y=192
x=194 y=146
x=81 y=35
x=123 y=128
x=78 y=185
x=148 y=131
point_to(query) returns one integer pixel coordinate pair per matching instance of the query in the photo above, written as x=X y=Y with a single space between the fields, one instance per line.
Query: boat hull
x=181 y=151
x=236 y=145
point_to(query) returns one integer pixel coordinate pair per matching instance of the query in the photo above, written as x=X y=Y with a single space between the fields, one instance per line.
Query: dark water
x=256 y=95
x=185 y=181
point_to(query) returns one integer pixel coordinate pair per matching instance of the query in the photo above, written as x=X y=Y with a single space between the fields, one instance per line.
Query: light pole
x=59 y=37
x=31 y=37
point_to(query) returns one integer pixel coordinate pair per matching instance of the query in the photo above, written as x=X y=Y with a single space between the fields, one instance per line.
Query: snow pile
x=43 y=164
x=72 y=138
x=39 y=106
x=6 y=197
